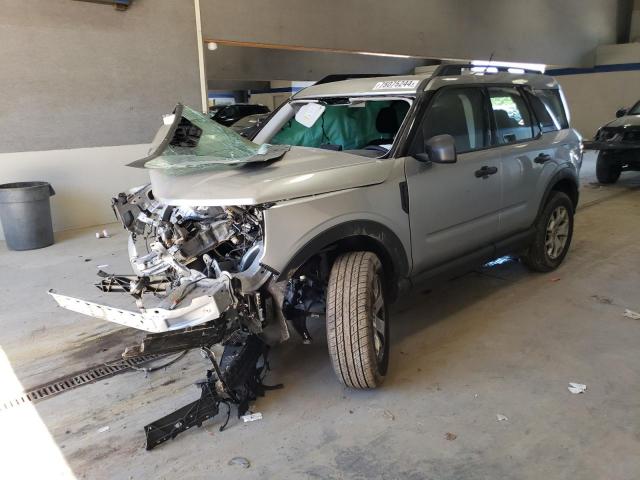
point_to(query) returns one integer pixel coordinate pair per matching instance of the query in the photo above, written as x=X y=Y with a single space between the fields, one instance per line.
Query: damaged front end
x=198 y=279
x=199 y=282
x=194 y=266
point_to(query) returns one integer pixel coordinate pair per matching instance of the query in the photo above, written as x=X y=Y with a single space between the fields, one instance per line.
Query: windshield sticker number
x=394 y=84
x=309 y=114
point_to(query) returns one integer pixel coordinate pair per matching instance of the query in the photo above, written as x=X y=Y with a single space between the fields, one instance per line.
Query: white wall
x=593 y=98
x=84 y=179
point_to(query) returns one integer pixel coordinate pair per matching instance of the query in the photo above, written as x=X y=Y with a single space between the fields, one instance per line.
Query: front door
x=454 y=208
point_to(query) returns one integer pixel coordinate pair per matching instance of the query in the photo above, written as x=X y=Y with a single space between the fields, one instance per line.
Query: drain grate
x=76 y=380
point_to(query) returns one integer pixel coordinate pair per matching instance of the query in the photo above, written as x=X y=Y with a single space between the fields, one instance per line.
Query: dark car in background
x=618 y=143
x=247 y=126
x=227 y=115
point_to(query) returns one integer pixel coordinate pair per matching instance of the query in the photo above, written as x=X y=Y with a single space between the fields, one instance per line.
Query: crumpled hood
x=303 y=171
x=627 y=120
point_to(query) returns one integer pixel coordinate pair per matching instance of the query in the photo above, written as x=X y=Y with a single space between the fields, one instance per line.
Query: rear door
x=454 y=208
x=527 y=156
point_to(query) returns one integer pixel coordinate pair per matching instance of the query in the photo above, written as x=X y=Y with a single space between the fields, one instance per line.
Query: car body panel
x=452 y=210
x=293 y=224
x=526 y=174
x=301 y=172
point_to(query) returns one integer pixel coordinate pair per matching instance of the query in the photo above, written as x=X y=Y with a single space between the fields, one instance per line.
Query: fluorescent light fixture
x=514 y=67
x=392 y=55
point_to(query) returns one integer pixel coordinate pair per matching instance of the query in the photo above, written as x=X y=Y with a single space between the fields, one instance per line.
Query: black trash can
x=25 y=213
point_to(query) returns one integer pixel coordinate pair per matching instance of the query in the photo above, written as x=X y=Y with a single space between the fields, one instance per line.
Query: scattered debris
x=87 y=259
x=502 y=418
x=450 y=436
x=389 y=415
x=252 y=417
x=555 y=279
x=475 y=395
x=631 y=314
x=103 y=234
x=577 y=388
x=103 y=429
x=601 y=299
x=105 y=265
x=241 y=461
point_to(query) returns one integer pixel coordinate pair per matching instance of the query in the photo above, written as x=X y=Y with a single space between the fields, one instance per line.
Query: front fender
x=297 y=229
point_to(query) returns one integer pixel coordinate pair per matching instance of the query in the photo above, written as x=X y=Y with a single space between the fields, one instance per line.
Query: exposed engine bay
x=199 y=282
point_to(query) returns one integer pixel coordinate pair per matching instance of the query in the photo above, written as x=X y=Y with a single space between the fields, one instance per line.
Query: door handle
x=543 y=157
x=485 y=171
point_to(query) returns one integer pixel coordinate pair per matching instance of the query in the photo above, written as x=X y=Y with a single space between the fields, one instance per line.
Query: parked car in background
x=618 y=143
x=248 y=125
x=227 y=115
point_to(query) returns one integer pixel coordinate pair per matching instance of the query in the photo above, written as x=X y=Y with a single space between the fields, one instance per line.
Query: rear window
x=554 y=109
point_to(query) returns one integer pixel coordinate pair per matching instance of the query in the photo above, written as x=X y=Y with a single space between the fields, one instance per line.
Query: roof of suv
x=408 y=84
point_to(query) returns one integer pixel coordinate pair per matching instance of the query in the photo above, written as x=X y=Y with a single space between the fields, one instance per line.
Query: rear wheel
x=608 y=168
x=357 y=321
x=554 y=229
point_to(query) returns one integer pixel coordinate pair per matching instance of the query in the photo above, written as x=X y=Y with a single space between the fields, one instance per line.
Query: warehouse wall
x=83 y=88
x=84 y=179
x=245 y=63
x=545 y=31
x=593 y=98
x=78 y=74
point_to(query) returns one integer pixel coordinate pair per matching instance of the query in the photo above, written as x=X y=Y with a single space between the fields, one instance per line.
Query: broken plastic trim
x=195 y=142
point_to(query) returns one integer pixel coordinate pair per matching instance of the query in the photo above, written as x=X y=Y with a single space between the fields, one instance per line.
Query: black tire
x=608 y=168
x=542 y=255
x=359 y=351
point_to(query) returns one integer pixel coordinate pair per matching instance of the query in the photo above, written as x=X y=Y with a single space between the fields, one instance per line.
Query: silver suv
x=350 y=193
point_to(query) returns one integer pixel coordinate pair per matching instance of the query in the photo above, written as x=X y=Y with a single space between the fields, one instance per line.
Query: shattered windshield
x=191 y=140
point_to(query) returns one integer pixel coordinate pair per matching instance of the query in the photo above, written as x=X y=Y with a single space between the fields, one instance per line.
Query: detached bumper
x=599 y=145
x=205 y=303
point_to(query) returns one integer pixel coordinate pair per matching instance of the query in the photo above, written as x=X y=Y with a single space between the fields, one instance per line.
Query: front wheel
x=554 y=229
x=608 y=168
x=357 y=326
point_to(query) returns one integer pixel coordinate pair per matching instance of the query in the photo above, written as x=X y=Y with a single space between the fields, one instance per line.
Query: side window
x=512 y=117
x=547 y=119
x=553 y=102
x=460 y=113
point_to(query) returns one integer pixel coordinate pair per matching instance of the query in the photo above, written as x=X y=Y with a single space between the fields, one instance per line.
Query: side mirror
x=621 y=113
x=438 y=149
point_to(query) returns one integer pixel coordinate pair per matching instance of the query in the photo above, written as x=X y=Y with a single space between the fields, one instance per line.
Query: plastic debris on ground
x=103 y=429
x=103 y=234
x=501 y=418
x=389 y=415
x=601 y=299
x=241 y=461
x=450 y=436
x=631 y=314
x=105 y=265
x=252 y=417
x=577 y=388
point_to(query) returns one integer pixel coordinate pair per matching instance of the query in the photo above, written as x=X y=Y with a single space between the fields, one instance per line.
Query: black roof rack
x=457 y=68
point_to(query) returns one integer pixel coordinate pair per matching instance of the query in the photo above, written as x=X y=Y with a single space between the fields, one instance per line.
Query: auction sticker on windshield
x=393 y=84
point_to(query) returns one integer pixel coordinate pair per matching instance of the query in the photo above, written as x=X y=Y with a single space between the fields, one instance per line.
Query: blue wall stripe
x=617 y=67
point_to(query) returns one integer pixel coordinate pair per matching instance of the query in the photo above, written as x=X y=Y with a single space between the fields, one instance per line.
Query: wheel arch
x=564 y=181
x=355 y=235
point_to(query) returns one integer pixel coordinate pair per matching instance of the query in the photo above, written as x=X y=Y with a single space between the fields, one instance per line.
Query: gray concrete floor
x=498 y=341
